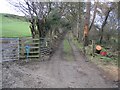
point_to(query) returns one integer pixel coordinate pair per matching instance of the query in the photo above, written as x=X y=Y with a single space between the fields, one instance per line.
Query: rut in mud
x=55 y=73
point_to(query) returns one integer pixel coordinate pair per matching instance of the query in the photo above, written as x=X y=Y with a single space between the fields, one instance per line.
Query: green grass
x=13 y=27
x=79 y=45
x=67 y=47
x=67 y=50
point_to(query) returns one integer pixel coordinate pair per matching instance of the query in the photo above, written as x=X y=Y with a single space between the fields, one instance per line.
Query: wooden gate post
x=18 y=48
x=21 y=50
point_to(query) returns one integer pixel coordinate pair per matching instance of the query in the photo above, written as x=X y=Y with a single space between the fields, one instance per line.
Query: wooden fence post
x=39 y=48
x=93 y=46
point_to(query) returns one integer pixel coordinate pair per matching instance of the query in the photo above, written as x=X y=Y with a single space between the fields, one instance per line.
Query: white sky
x=5 y=7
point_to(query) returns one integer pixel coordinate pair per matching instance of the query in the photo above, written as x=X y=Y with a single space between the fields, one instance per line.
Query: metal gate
x=10 y=50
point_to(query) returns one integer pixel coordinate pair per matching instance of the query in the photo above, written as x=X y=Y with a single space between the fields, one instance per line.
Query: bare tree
x=109 y=9
x=36 y=12
x=95 y=10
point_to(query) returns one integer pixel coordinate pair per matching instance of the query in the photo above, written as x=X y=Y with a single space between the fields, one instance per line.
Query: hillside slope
x=13 y=26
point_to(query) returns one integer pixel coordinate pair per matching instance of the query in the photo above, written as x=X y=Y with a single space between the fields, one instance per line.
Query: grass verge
x=67 y=50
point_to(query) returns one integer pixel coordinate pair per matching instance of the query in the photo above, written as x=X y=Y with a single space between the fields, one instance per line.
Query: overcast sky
x=5 y=7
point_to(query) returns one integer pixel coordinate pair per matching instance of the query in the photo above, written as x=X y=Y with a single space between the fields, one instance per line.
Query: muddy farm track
x=55 y=73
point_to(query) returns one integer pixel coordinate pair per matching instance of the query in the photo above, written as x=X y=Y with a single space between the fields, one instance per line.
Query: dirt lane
x=90 y=73
x=55 y=73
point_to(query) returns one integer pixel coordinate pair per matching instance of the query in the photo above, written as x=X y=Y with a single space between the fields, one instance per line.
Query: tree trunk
x=95 y=10
x=79 y=18
x=38 y=26
x=32 y=31
x=86 y=27
x=103 y=25
x=32 y=28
